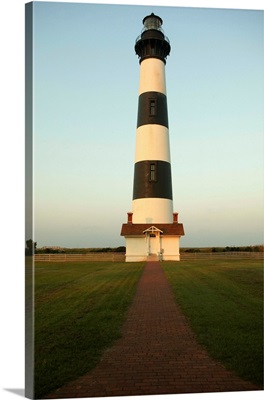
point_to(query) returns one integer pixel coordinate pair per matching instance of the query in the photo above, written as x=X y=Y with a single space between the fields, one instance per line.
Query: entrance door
x=153 y=243
x=153 y=240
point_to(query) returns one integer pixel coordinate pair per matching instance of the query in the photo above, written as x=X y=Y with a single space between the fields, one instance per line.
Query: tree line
x=31 y=248
x=257 y=248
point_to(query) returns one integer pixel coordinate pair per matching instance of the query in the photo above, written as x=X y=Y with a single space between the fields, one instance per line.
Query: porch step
x=152 y=257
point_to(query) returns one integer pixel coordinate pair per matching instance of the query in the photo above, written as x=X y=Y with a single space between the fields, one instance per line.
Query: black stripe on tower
x=152 y=179
x=152 y=109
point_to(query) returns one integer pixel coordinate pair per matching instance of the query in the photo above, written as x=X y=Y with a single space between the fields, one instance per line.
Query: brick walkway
x=157 y=354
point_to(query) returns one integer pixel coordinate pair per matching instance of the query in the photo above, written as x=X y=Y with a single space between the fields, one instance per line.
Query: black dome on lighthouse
x=152 y=20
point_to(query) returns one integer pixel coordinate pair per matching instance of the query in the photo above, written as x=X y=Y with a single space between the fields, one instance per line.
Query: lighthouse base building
x=152 y=228
x=144 y=240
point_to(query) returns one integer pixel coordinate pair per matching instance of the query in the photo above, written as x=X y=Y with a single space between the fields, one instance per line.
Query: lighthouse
x=152 y=227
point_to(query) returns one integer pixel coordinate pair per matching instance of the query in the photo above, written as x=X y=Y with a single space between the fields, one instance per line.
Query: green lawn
x=79 y=310
x=223 y=301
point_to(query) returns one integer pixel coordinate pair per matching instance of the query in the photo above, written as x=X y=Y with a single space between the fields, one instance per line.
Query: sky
x=85 y=90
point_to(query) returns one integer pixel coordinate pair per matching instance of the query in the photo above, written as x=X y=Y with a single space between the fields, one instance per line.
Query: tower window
x=152 y=107
x=153 y=172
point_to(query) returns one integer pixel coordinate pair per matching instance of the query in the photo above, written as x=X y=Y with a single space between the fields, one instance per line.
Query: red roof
x=138 y=229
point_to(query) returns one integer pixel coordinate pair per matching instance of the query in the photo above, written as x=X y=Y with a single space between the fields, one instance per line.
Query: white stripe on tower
x=152 y=76
x=152 y=143
x=152 y=195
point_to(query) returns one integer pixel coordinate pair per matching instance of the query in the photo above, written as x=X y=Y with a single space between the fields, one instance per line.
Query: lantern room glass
x=152 y=22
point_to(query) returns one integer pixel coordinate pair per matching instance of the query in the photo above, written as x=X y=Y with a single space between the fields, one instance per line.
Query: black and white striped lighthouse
x=152 y=204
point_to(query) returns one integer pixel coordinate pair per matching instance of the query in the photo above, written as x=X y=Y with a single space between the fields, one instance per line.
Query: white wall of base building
x=167 y=248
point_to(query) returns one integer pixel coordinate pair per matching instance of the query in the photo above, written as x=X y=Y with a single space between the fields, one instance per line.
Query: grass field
x=223 y=300
x=79 y=310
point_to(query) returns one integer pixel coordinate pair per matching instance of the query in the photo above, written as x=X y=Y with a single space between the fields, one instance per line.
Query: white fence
x=121 y=256
x=80 y=257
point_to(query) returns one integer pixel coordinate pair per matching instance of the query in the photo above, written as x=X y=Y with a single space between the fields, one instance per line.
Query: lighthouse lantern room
x=152 y=227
